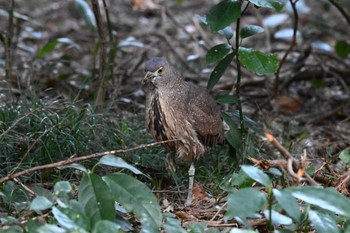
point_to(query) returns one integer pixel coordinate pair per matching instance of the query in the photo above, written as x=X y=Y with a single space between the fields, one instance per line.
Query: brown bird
x=181 y=111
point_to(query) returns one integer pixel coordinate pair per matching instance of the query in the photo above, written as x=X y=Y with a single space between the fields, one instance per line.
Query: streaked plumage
x=176 y=109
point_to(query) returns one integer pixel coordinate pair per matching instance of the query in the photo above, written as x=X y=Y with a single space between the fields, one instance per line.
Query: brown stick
x=78 y=159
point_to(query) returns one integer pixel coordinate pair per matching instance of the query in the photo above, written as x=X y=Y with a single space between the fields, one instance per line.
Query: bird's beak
x=148 y=77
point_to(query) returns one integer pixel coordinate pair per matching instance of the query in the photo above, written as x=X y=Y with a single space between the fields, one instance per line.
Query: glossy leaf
x=96 y=198
x=328 y=199
x=40 y=191
x=219 y=70
x=40 y=203
x=137 y=198
x=233 y=136
x=173 y=225
x=250 y=30
x=70 y=218
x=105 y=226
x=223 y=14
x=62 y=187
x=277 y=218
x=86 y=13
x=257 y=175
x=75 y=166
x=49 y=228
x=226 y=99
x=274 y=4
x=217 y=53
x=323 y=223
x=342 y=48
x=288 y=203
x=258 y=62
x=115 y=161
x=251 y=124
x=237 y=230
x=253 y=200
x=227 y=32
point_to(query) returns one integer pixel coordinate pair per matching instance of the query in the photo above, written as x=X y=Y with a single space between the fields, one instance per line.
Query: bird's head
x=158 y=72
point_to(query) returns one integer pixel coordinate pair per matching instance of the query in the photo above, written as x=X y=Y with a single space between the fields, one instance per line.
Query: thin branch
x=238 y=81
x=78 y=159
x=292 y=43
x=341 y=10
x=103 y=53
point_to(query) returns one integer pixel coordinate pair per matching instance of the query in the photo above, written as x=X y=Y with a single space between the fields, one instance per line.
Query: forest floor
x=310 y=115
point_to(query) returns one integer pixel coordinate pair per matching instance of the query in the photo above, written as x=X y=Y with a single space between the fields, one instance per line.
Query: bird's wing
x=205 y=116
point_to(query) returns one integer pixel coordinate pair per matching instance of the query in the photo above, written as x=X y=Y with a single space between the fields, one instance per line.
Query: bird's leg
x=191 y=172
x=171 y=164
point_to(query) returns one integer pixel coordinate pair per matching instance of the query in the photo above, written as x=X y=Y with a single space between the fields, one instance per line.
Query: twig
x=29 y=149
x=238 y=80
x=217 y=213
x=293 y=42
x=24 y=186
x=103 y=51
x=179 y=25
x=78 y=159
x=341 y=10
x=285 y=153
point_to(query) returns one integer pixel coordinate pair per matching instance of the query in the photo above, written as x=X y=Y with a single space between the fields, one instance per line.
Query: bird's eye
x=160 y=70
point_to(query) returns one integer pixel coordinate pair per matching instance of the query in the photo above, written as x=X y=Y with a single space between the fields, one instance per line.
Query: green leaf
x=233 y=136
x=227 y=32
x=257 y=175
x=137 y=198
x=87 y=14
x=40 y=191
x=245 y=202
x=323 y=223
x=328 y=198
x=223 y=14
x=75 y=166
x=62 y=187
x=40 y=203
x=237 y=230
x=241 y=180
x=115 y=161
x=277 y=218
x=217 y=53
x=196 y=228
x=172 y=225
x=250 y=30
x=251 y=124
x=345 y=156
x=50 y=46
x=274 y=4
x=226 y=99
x=49 y=228
x=96 y=198
x=288 y=203
x=105 y=226
x=258 y=62
x=342 y=48
x=70 y=218
x=219 y=70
